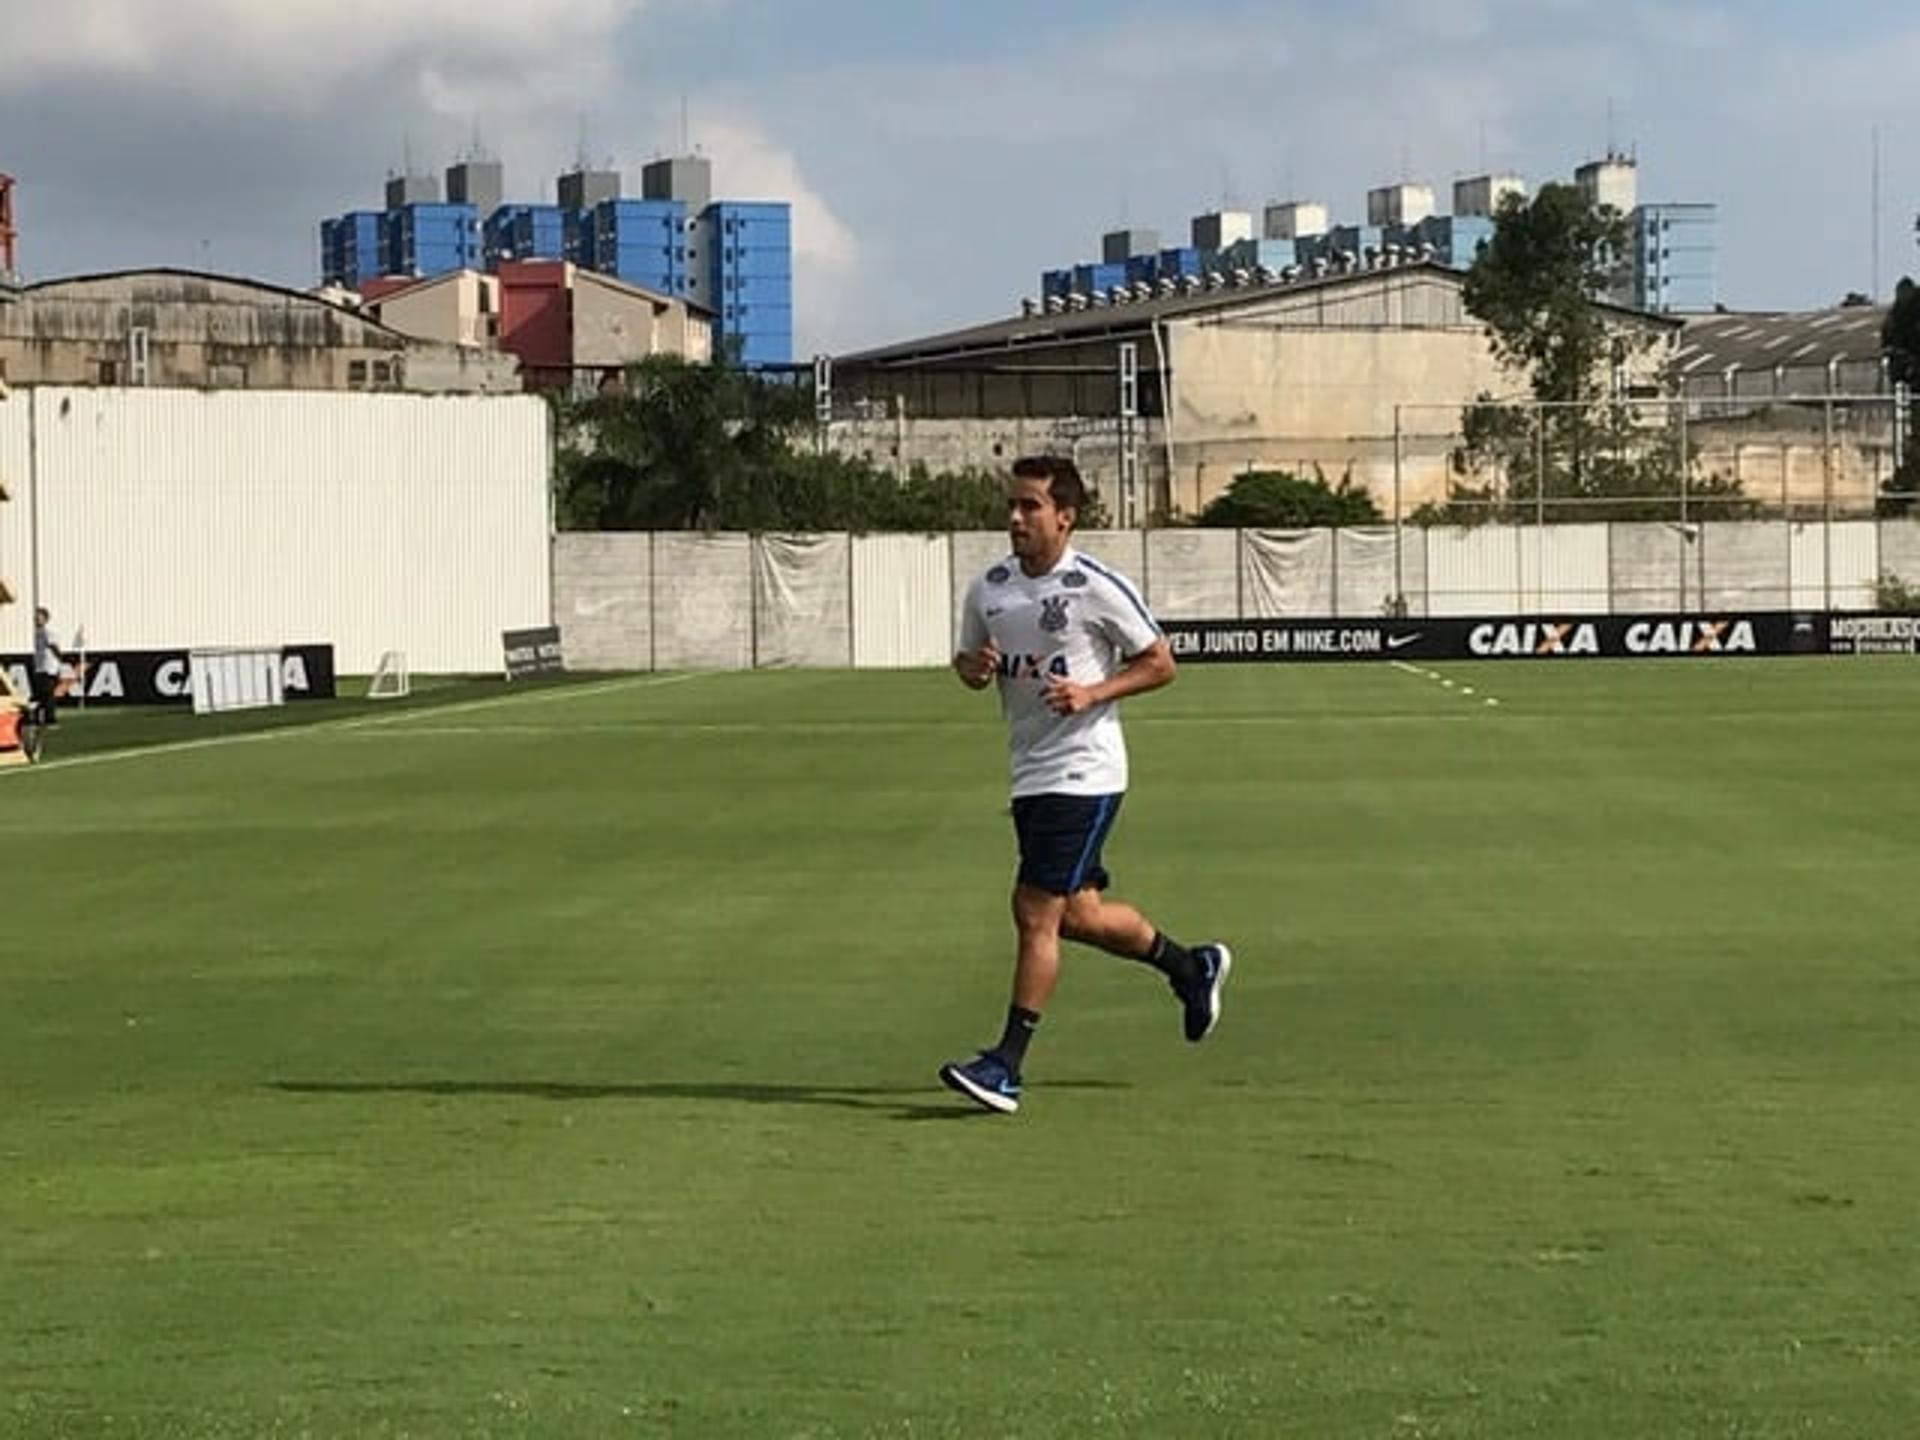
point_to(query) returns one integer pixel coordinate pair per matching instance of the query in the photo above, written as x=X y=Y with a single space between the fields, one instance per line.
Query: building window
x=138 y=354
x=109 y=372
x=382 y=374
x=357 y=374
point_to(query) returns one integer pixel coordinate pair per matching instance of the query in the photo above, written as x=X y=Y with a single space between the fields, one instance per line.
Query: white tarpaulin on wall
x=802 y=600
x=1286 y=572
x=231 y=518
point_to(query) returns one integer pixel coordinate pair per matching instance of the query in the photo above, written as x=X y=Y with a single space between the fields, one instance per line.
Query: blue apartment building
x=749 y=279
x=733 y=258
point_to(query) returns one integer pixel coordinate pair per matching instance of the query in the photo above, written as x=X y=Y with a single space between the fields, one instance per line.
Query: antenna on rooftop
x=1873 y=285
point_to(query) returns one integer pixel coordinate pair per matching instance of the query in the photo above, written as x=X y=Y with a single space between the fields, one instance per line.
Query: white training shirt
x=1079 y=620
x=46 y=658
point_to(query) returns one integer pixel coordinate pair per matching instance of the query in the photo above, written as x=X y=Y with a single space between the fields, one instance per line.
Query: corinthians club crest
x=1053 y=613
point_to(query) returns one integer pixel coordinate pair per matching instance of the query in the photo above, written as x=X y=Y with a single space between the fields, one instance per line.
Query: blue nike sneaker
x=985 y=1080
x=1200 y=1001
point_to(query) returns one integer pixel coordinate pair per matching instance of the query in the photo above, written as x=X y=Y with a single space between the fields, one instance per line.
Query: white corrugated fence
x=173 y=518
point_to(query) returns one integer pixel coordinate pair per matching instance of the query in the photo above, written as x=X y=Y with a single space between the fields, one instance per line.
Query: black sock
x=1171 y=959
x=1013 y=1040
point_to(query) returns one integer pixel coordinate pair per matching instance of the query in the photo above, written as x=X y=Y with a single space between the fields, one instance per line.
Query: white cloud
x=748 y=164
x=298 y=50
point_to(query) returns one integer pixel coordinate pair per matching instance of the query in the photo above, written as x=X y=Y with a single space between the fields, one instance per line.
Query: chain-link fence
x=1790 y=457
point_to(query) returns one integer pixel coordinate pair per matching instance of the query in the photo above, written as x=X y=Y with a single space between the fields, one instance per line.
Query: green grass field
x=563 y=1065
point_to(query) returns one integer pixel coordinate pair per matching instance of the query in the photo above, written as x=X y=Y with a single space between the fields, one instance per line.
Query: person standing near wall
x=48 y=661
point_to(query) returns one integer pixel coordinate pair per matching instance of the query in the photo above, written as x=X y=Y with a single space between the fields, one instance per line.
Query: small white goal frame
x=391 y=678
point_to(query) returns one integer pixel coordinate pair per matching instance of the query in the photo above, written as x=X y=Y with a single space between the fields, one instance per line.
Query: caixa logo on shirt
x=1033 y=667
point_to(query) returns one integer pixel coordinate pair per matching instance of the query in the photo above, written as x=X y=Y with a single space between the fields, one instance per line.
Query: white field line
x=871 y=727
x=1467 y=691
x=358 y=722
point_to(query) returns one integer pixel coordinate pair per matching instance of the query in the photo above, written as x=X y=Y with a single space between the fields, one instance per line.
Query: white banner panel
x=803 y=594
x=1286 y=572
x=702 y=601
x=1193 y=574
x=16 y=521
x=902 y=586
x=1834 y=566
x=1472 y=572
x=1563 y=570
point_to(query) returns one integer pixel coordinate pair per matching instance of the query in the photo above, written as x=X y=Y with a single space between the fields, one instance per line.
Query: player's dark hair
x=1064 y=484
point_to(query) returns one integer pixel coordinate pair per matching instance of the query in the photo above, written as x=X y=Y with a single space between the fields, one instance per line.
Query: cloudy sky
x=940 y=153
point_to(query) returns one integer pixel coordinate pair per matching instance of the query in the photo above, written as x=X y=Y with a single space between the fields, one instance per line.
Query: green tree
x=681 y=446
x=1279 y=500
x=1534 y=284
x=1581 y=453
x=1900 y=336
x=666 y=448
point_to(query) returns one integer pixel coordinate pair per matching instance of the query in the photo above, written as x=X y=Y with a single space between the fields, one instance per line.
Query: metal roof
x=50 y=289
x=1713 y=344
x=1137 y=318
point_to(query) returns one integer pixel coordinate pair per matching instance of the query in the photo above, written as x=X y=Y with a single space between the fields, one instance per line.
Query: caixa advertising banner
x=164 y=677
x=1723 y=634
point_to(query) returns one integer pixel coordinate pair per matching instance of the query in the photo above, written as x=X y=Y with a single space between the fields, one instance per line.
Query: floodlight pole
x=823 y=402
x=1129 y=417
x=1399 y=580
x=1686 y=461
x=1826 y=517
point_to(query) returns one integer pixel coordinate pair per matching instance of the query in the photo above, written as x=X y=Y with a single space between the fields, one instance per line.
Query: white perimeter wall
x=665 y=601
x=370 y=522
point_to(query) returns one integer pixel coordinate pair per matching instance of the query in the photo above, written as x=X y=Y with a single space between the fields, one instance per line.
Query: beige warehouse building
x=1313 y=373
x=179 y=328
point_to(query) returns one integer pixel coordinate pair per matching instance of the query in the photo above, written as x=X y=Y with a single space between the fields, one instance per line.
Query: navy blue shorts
x=1060 y=840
